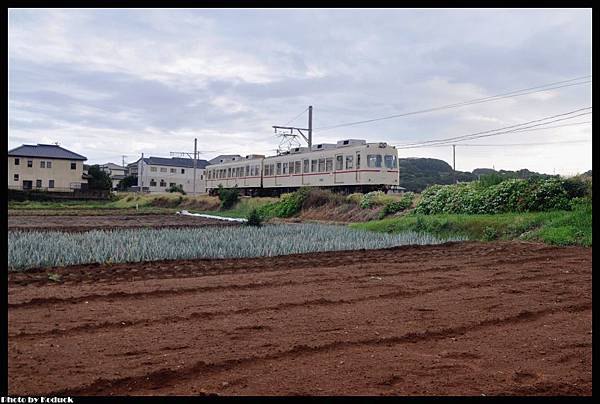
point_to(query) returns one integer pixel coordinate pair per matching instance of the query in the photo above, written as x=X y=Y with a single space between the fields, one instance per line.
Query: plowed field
x=95 y=222
x=455 y=319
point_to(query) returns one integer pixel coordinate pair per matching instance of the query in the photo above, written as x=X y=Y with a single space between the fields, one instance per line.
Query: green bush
x=228 y=197
x=375 y=198
x=254 y=218
x=513 y=195
x=397 y=206
x=176 y=188
x=287 y=206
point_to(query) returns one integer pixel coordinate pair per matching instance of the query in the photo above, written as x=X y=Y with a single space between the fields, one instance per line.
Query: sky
x=110 y=82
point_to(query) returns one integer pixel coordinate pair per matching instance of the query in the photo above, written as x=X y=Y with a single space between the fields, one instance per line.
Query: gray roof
x=50 y=151
x=175 y=162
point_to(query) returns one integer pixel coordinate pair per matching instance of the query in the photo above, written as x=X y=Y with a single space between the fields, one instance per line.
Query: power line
x=294 y=118
x=516 y=144
x=489 y=132
x=514 y=93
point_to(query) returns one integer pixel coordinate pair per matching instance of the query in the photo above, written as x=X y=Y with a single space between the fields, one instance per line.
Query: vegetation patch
x=45 y=249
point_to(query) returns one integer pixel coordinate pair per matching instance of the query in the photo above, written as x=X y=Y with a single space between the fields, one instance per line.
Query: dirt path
x=463 y=318
x=95 y=222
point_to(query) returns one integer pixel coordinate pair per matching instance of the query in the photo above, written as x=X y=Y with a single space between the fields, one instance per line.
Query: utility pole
x=141 y=177
x=195 y=153
x=310 y=127
x=454 y=162
x=289 y=137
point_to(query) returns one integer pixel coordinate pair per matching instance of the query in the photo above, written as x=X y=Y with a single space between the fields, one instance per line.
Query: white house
x=157 y=174
x=115 y=171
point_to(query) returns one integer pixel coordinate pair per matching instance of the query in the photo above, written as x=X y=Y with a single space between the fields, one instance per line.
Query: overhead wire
x=510 y=94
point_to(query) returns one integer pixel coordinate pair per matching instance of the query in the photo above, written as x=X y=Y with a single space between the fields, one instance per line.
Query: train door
x=358 y=163
x=339 y=166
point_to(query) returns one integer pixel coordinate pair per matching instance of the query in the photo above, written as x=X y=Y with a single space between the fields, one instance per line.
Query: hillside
x=416 y=174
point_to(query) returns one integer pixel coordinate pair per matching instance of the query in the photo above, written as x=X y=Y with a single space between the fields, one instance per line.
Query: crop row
x=47 y=249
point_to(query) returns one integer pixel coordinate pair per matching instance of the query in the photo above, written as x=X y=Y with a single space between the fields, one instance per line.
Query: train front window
x=374 y=160
x=339 y=162
x=390 y=161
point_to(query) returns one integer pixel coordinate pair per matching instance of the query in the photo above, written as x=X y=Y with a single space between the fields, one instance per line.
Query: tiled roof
x=45 y=150
x=175 y=162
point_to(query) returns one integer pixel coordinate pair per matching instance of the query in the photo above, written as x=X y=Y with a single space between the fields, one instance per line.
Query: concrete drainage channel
x=229 y=219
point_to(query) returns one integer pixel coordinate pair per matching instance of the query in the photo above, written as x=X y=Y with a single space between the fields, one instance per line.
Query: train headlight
x=382 y=145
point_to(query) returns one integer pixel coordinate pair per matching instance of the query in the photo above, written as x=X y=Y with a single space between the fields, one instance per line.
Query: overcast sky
x=104 y=83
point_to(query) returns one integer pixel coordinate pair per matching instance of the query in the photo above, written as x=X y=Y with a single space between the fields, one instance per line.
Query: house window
x=17 y=161
x=50 y=183
x=173 y=170
x=42 y=164
x=29 y=163
x=163 y=183
x=163 y=169
x=38 y=183
x=183 y=171
x=329 y=165
x=349 y=162
x=152 y=182
x=48 y=164
x=16 y=178
x=73 y=166
x=153 y=169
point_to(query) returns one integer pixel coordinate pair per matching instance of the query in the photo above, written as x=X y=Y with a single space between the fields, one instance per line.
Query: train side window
x=285 y=168
x=339 y=162
x=229 y=172
x=357 y=160
x=349 y=162
x=329 y=165
x=306 y=165
x=313 y=166
x=247 y=173
x=278 y=170
x=291 y=167
x=298 y=167
x=321 y=165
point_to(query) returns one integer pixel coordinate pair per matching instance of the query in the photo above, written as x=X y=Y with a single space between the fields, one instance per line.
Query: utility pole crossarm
x=288 y=138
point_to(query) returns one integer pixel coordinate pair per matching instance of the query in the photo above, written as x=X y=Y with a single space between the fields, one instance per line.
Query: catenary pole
x=195 y=152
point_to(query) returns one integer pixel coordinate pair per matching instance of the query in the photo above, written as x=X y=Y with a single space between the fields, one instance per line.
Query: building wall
x=146 y=175
x=60 y=171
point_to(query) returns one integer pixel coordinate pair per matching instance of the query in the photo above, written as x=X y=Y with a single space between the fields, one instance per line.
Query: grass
x=555 y=227
x=47 y=249
x=241 y=209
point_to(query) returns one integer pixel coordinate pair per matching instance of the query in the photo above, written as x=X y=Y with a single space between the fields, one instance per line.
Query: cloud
x=108 y=82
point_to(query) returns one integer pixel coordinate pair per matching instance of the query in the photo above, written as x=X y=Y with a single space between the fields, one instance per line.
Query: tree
x=98 y=178
x=176 y=188
x=127 y=182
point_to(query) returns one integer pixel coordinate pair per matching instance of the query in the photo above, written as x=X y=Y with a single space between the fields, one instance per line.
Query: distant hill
x=416 y=174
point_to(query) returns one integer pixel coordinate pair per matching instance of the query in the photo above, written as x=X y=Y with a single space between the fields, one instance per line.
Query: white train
x=351 y=165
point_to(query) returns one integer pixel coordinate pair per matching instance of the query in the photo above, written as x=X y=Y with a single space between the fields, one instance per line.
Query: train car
x=245 y=174
x=351 y=165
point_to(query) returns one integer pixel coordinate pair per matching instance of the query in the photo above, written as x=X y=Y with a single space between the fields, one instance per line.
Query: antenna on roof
x=56 y=143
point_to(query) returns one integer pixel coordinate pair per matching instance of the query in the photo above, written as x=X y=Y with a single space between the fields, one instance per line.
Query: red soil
x=456 y=319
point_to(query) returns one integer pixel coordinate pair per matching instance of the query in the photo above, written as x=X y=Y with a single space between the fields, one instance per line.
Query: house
x=158 y=173
x=132 y=168
x=115 y=172
x=45 y=167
